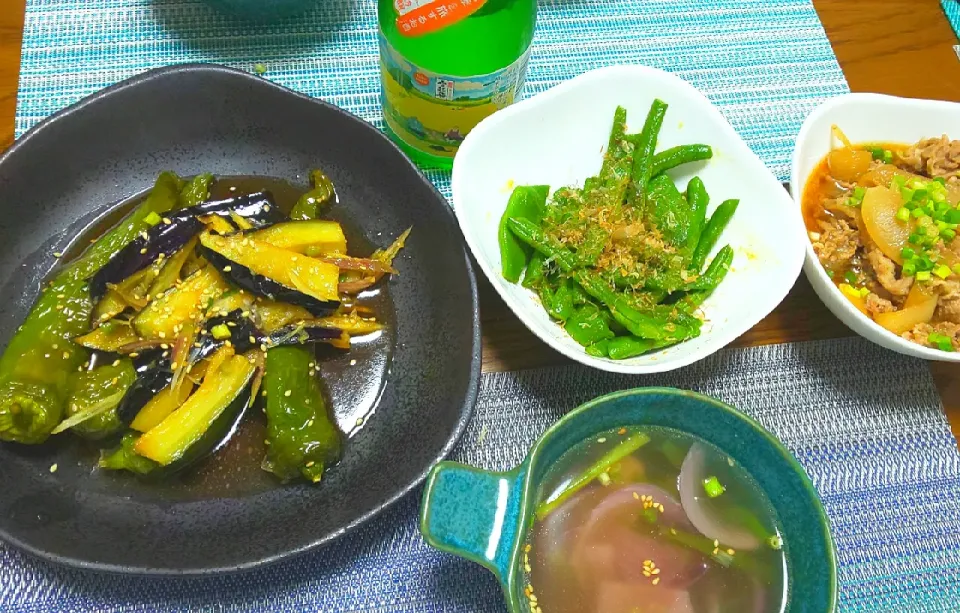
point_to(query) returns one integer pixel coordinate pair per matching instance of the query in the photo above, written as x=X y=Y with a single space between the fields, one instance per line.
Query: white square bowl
x=865 y=118
x=557 y=138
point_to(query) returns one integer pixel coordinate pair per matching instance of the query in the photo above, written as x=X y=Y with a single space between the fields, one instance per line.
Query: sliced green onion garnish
x=903 y=214
x=713 y=487
x=923 y=275
x=152 y=219
x=943 y=271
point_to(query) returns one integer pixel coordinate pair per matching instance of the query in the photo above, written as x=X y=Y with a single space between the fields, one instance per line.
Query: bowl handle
x=473 y=513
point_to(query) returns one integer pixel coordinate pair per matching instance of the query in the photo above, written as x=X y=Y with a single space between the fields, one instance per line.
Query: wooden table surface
x=900 y=47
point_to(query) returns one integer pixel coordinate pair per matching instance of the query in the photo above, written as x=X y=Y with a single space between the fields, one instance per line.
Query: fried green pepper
x=526 y=202
x=303 y=438
x=195 y=191
x=123 y=457
x=309 y=204
x=36 y=366
x=92 y=409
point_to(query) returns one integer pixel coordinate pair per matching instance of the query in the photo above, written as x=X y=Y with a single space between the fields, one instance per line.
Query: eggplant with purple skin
x=172 y=233
x=244 y=335
x=154 y=373
x=274 y=273
x=200 y=427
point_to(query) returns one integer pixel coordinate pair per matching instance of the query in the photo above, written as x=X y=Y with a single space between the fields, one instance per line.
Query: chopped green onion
x=153 y=218
x=713 y=487
x=939 y=180
x=923 y=275
x=850 y=277
x=906 y=253
x=909 y=269
x=220 y=332
x=259 y=68
x=604 y=479
x=948 y=235
x=864 y=292
x=956 y=269
x=903 y=214
x=942 y=341
x=943 y=271
x=917 y=213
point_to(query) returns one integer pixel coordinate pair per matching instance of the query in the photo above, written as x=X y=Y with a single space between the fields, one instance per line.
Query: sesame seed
x=359 y=421
x=731 y=551
x=114 y=380
x=167 y=221
x=309 y=423
x=716 y=543
x=61 y=296
x=57 y=254
x=54 y=345
x=353 y=362
x=646 y=573
x=228 y=343
x=647 y=562
x=164 y=346
x=252 y=340
x=227 y=268
x=655 y=571
x=287 y=393
x=53 y=467
x=46 y=355
x=143 y=251
x=66 y=355
x=309 y=464
x=162 y=334
x=622 y=431
x=656 y=580
x=134 y=354
x=602 y=439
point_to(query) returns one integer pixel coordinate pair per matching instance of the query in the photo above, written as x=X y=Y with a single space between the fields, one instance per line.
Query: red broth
x=616 y=537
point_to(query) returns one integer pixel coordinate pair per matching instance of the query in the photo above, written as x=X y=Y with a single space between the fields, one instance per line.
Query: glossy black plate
x=414 y=387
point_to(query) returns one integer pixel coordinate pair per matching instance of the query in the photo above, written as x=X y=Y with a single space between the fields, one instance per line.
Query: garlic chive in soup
x=652 y=520
x=883 y=219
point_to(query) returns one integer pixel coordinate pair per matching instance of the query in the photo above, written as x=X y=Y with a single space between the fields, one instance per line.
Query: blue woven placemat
x=952 y=9
x=766 y=63
x=866 y=424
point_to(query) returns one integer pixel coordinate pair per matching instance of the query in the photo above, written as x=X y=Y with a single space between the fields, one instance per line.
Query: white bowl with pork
x=867 y=118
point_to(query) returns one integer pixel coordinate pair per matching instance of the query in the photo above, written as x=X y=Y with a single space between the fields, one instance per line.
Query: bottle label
x=419 y=17
x=434 y=112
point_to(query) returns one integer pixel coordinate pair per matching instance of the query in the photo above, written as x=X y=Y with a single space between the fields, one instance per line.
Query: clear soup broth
x=652 y=520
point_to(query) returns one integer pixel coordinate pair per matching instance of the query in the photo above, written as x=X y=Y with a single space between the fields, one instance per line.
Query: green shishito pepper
x=309 y=204
x=36 y=366
x=526 y=202
x=92 y=409
x=303 y=439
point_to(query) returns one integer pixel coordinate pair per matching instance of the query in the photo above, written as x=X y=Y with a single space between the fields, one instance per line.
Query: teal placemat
x=766 y=63
x=866 y=424
x=952 y=9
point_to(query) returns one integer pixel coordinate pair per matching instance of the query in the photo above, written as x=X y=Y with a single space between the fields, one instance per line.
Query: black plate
x=60 y=178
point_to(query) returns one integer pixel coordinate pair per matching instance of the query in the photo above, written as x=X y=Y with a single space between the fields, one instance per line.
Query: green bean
x=698 y=199
x=614 y=179
x=558 y=303
x=715 y=272
x=594 y=241
x=587 y=325
x=534 y=273
x=635 y=321
x=668 y=211
x=533 y=235
x=712 y=231
x=624 y=347
x=683 y=154
x=598 y=349
x=643 y=153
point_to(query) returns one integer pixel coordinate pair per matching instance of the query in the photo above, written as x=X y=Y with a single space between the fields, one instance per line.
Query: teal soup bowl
x=488 y=517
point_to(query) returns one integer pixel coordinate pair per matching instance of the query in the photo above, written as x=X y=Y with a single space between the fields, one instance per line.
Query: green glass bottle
x=447 y=64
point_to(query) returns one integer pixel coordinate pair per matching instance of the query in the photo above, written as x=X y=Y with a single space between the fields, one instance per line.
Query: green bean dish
x=621 y=262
